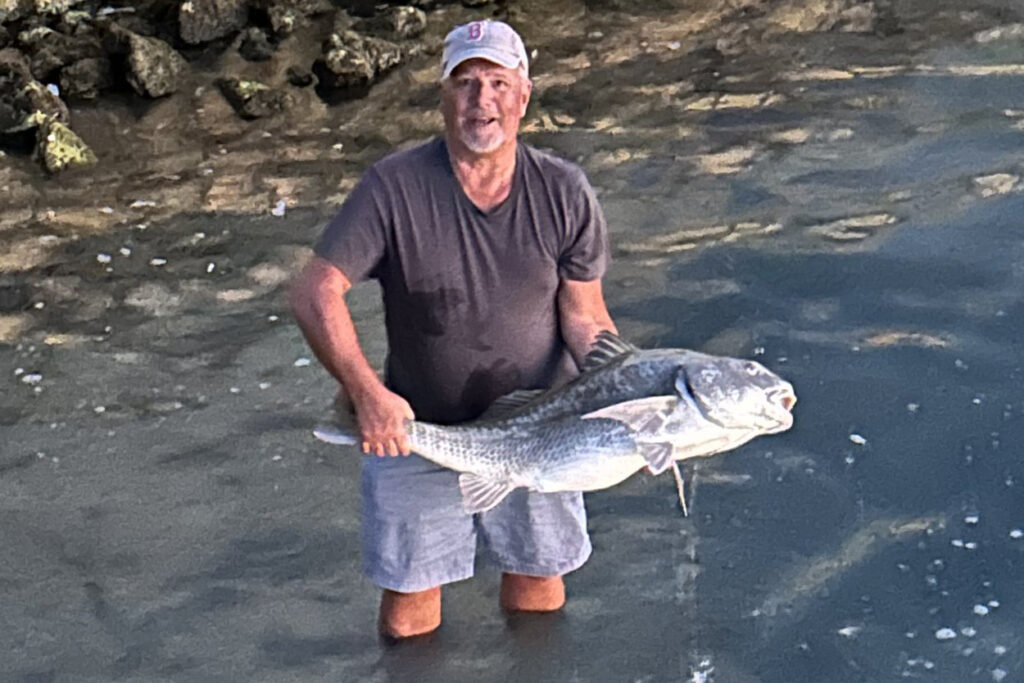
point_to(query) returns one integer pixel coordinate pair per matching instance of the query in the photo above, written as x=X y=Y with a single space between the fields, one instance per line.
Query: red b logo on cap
x=476 y=30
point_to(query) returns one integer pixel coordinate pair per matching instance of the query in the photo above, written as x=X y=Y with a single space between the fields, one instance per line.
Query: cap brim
x=505 y=59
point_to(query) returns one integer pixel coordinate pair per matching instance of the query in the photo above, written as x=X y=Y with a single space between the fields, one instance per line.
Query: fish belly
x=591 y=473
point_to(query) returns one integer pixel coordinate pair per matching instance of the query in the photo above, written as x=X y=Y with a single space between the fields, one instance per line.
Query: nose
x=788 y=400
x=480 y=93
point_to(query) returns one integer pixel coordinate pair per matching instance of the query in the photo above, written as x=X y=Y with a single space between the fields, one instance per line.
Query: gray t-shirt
x=469 y=297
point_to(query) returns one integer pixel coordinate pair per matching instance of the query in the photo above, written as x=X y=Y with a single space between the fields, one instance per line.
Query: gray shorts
x=416 y=535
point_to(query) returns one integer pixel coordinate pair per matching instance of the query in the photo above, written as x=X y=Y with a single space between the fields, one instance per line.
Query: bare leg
x=409 y=614
x=522 y=593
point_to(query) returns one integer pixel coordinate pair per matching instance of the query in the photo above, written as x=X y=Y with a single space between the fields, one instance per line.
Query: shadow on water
x=250 y=569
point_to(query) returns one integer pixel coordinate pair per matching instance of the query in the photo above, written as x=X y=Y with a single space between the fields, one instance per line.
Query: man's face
x=482 y=103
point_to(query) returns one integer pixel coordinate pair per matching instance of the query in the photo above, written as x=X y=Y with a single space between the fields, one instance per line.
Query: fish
x=629 y=408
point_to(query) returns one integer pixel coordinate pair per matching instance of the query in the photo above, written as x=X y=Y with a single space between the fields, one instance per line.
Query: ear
x=525 y=96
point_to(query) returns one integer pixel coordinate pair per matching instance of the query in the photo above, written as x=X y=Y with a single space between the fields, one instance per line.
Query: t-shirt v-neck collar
x=506 y=204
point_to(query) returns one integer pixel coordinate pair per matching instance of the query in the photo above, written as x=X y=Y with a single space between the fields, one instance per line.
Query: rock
x=48 y=50
x=342 y=22
x=806 y=16
x=252 y=99
x=59 y=147
x=74 y=23
x=12 y=10
x=5 y=38
x=887 y=23
x=200 y=21
x=135 y=24
x=407 y=22
x=116 y=38
x=255 y=47
x=475 y=3
x=395 y=23
x=285 y=15
x=361 y=8
x=21 y=96
x=353 y=62
x=300 y=78
x=858 y=19
x=153 y=66
x=13 y=64
x=54 y=7
x=86 y=78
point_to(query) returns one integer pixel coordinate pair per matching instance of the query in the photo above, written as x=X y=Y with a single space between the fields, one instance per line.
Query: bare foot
x=522 y=593
x=409 y=614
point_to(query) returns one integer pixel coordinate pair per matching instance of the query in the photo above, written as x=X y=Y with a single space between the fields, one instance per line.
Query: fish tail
x=335 y=435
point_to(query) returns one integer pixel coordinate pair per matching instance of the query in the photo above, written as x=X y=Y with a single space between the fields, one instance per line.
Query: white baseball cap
x=494 y=41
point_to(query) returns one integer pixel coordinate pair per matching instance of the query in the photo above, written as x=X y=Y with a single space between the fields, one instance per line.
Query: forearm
x=318 y=303
x=582 y=316
x=581 y=333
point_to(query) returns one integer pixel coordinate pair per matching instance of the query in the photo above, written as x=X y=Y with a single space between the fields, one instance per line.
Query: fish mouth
x=783 y=396
x=782 y=399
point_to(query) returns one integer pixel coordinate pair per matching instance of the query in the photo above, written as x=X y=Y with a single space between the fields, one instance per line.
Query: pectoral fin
x=644 y=415
x=480 y=494
x=680 y=488
x=658 y=456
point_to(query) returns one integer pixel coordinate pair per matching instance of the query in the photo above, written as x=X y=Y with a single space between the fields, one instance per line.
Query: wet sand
x=852 y=222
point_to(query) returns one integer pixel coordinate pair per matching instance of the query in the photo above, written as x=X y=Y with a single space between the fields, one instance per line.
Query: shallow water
x=167 y=516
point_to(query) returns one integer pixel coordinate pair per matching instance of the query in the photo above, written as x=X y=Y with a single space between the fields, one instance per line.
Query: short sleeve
x=355 y=240
x=586 y=254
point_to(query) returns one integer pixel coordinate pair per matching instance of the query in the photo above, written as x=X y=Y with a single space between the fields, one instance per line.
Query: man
x=489 y=255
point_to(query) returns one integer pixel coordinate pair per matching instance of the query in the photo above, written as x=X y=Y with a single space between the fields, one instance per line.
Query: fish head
x=738 y=394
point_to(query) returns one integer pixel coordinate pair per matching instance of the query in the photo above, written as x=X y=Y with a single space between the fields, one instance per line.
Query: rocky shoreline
x=75 y=51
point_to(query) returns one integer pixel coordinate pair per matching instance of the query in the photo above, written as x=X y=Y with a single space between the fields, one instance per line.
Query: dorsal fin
x=607 y=348
x=509 y=403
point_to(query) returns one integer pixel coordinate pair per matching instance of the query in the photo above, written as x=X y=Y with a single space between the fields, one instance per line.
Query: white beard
x=482 y=142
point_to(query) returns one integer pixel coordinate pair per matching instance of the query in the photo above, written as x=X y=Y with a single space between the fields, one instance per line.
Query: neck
x=485 y=178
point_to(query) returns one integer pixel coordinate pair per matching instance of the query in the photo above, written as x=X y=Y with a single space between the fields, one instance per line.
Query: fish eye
x=752 y=369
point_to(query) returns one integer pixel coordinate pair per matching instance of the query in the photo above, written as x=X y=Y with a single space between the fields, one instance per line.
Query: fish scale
x=521 y=453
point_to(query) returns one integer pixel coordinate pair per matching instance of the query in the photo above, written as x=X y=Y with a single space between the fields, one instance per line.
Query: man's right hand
x=382 y=415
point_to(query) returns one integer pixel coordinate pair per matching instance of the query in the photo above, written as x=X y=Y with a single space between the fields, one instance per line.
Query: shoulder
x=414 y=160
x=551 y=167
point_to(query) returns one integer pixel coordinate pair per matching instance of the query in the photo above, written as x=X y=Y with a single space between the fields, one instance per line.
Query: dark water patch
x=284 y=554
x=39 y=677
x=280 y=422
x=651 y=173
x=291 y=652
x=15 y=295
x=215 y=597
x=689 y=324
x=752 y=119
x=11 y=464
x=846 y=179
x=961 y=154
x=216 y=340
x=203 y=457
x=748 y=195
